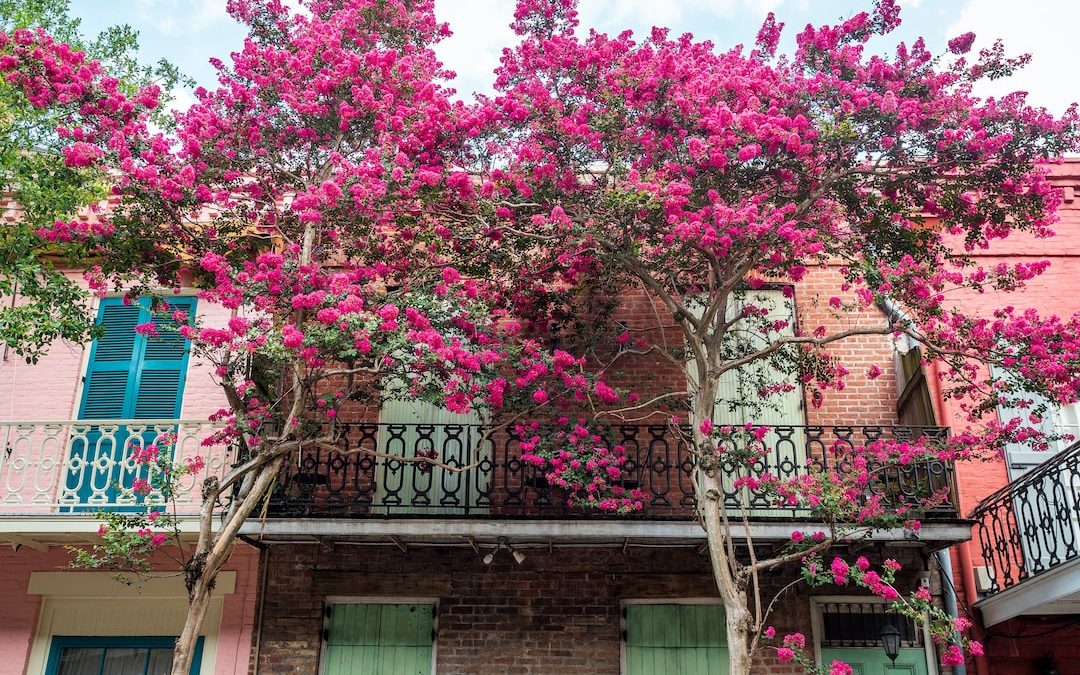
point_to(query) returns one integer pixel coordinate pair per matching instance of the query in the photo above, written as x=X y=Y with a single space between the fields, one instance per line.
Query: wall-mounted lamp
x=518 y=556
x=890 y=641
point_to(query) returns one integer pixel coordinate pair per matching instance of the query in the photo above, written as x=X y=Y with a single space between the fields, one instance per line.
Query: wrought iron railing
x=363 y=478
x=1032 y=525
x=79 y=466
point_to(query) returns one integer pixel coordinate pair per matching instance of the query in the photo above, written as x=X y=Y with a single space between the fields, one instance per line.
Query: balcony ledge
x=936 y=534
x=1056 y=591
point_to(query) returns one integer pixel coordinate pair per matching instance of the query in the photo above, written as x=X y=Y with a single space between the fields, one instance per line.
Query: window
x=129 y=376
x=379 y=639
x=1059 y=420
x=689 y=639
x=115 y=656
x=738 y=399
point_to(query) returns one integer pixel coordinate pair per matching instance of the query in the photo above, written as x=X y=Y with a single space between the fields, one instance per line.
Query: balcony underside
x=1055 y=592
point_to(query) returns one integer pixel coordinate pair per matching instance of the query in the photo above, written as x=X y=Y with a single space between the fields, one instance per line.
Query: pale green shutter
x=378 y=639
x=408 y=426
x=670 y=639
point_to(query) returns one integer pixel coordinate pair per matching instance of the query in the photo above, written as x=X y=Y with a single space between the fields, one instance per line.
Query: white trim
x=1034 y=595
x=381 y=600
x=127 y=616
x=691 y=600
x=444 y=530
x=816 y=601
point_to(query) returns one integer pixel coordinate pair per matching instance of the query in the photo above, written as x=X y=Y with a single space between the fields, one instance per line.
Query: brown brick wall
x=557 y=613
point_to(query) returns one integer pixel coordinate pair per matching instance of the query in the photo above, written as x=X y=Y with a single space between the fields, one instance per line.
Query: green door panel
x=377 y=639
x=409 y=426
x=871 y=661
x=675 y=640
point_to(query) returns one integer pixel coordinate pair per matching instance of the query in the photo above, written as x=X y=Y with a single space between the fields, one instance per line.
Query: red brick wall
x=557 y=613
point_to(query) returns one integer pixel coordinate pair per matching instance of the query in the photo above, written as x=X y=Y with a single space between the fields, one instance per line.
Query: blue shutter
x=160 y=378
x=110 y=374
x=130 y=376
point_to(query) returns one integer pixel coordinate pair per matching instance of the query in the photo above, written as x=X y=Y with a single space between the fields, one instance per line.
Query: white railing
x=80 y=466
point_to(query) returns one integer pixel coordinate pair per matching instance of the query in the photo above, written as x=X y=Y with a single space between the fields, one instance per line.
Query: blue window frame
x=115 y=656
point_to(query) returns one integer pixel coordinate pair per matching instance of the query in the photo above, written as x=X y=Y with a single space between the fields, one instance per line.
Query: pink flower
x=797 y=536
x=840 y=668
x=975 y=647
x=784 y=654
x=952 y=656
x=770 y=632
x=962 y=43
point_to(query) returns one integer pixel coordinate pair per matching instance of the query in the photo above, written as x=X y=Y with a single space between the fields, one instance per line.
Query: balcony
x=74 y=467
x=67 y=470
x=1029 y=536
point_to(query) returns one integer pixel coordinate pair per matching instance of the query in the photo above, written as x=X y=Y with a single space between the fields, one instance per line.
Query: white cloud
x=1044 y=28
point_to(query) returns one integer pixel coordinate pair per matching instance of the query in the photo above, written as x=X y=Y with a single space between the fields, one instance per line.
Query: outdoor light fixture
x=490 y=557
x=890 y=640
x=519 y=557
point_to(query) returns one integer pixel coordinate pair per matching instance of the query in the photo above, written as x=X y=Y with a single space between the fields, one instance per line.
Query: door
x=129 y=376
x=872 y=661
x=739 y=399
x=675 y=639
x=411 y=428
x=379 y=639
x=115 y=656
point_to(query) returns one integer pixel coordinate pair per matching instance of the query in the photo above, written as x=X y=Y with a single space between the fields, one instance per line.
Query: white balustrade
x=81 y=466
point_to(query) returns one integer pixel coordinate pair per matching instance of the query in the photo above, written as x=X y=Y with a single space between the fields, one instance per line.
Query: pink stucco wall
x=19 y=618
x=49 y=389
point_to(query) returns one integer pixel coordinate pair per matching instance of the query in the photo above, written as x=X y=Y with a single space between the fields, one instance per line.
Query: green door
x=871 y=661
x=376 y=639
x=675 y=640
x=409 y=428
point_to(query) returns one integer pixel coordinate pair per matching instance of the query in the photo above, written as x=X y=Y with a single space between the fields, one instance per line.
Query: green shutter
x=377 y=639
x=412 y=425
x=676 y=639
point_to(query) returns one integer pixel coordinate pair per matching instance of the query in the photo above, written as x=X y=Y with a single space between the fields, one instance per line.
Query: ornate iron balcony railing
x=75 y=466
x=363 y=479
x=1032 y=525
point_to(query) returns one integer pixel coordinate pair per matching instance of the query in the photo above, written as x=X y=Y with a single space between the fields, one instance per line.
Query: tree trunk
x=732 y=590
x=198 y=603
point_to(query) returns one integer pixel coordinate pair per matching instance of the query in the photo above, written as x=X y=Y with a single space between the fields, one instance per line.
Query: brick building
x=367 y=565
x=1019 y=577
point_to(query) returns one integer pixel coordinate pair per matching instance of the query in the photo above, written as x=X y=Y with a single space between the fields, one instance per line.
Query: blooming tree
x=701 y=175
x=376 y=239
x=45 y=187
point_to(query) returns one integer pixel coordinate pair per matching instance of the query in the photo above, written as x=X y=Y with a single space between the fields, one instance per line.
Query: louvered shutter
x=683 y=639
x=163 y=367
x=130 y=376
x=110 y=374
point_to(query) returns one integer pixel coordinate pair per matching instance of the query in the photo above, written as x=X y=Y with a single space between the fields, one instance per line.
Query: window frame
x=58 y=643
x=817 y=603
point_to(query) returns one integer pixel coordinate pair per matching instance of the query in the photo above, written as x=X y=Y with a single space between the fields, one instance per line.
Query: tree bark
x=211 y=554
x=738 y=617
x=198 y=603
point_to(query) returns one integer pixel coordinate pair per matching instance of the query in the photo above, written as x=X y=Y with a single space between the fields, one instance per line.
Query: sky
x=190 y=32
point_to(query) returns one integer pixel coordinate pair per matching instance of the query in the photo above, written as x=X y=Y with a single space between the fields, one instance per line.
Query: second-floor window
x=132 y=376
